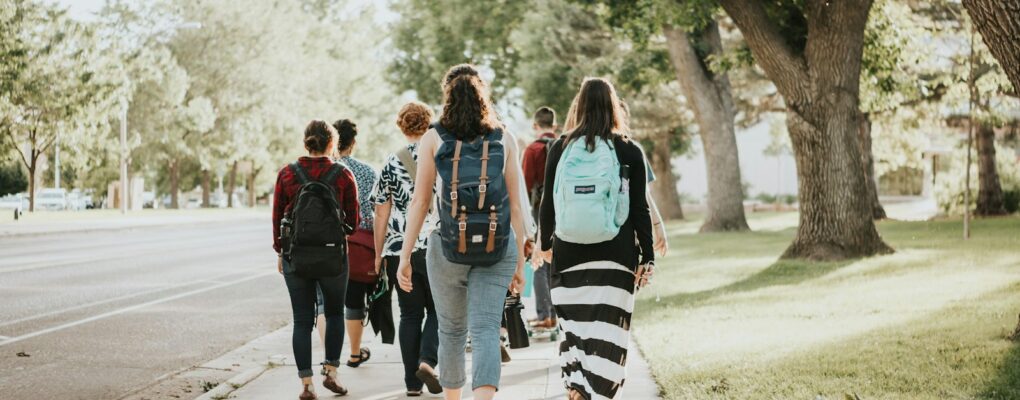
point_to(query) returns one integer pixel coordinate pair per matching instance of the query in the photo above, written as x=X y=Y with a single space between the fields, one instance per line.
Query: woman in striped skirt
x=594 y=284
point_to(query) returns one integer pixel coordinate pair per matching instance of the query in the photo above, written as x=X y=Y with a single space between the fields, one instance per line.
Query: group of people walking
x=452 y=218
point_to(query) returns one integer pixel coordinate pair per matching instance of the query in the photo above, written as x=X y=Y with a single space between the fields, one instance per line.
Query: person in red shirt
x=534 y=179
x=321 y=143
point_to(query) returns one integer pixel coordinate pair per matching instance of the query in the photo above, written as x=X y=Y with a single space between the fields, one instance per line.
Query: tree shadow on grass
x=1006 y=384
x=782 y=272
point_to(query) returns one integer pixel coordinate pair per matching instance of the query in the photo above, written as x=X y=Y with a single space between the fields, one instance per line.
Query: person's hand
x=546 y=256
x=661 y=243
x=517 y=283
x=404 y=274
x=536 y=261
x=279 y=265
x=529 y=248
x=643 y=276
x=378 y=264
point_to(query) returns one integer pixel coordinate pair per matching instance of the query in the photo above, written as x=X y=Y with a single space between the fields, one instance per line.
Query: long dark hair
x=595 y=113
x=467 y=111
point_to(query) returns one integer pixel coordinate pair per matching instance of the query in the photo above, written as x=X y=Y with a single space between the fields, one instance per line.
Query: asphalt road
x=104 y=314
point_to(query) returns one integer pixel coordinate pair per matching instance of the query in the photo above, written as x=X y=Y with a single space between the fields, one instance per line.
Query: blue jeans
x=303 y=304
x=543 y=295
x=469 y=299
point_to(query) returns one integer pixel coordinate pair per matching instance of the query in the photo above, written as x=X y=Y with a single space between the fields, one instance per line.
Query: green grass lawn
x=726 y=320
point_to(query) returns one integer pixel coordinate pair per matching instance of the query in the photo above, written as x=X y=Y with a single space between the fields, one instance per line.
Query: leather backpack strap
x=453 y=178
x=484 y=179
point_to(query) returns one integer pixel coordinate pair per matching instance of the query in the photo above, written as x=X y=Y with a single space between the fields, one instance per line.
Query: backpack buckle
x=453 y=195
x=482 y=188
x=462 y=226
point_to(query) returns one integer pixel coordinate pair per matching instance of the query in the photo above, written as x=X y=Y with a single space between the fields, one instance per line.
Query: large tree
x=812 y=51
x=692 y=40
x=999 y=24
x=433 y=35
x=51 y=86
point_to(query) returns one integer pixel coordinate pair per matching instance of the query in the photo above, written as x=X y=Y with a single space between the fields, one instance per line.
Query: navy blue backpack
x=474 y=209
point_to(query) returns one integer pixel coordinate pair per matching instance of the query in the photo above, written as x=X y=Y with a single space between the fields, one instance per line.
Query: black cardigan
x=620 y=249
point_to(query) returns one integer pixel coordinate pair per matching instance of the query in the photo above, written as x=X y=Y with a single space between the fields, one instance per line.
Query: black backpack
x=314 y=234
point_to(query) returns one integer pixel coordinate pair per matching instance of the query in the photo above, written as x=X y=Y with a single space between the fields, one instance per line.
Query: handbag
x=517 y=331
x=361 y=256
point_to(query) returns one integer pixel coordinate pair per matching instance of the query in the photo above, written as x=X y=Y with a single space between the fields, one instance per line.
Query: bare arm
x=379 y=227
x=515 y=186
x=658 y=228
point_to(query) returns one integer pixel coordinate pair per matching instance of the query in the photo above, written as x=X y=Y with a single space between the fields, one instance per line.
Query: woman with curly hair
x=419 y=344
x=469 y=274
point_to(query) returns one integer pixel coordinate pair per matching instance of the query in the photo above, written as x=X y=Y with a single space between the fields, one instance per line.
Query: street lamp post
x=123 y=157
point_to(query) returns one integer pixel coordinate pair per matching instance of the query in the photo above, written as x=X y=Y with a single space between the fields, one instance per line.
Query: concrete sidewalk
x=264 y=369
x=533 y=374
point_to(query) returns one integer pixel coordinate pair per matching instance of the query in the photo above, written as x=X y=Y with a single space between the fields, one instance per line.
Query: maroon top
x=287 y=186
x=534 y=162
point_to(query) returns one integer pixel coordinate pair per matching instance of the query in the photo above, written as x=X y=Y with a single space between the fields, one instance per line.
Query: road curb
x=223 y=390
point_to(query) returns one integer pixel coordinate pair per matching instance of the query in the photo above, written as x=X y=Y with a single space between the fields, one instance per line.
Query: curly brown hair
x=467 y=110
x=414 y=119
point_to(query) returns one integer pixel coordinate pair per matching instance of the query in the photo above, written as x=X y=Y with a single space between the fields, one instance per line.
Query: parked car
x=51 y=199
x=14 y=201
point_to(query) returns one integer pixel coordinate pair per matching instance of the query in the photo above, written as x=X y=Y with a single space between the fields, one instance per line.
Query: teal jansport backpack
x=590 y=197
x=474 y=207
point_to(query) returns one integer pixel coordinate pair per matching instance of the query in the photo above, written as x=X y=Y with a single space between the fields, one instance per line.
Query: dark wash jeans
x=418 y=343
x=302 y=302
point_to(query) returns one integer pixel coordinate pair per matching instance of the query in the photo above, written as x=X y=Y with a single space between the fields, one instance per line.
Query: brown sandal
x=330 y=383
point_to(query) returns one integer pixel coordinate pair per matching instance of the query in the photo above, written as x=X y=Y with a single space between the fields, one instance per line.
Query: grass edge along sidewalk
x=928 y=322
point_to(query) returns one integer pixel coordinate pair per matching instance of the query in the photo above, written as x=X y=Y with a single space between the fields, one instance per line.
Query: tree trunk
x=206 y=188
x=990 y=198
x=231 y=182
x=664 y=188
x=251 y=185
x=175 y=184
x=999 y=24
x=820 y=84
x=32 y=167
x=867 y=158
x=709 y=97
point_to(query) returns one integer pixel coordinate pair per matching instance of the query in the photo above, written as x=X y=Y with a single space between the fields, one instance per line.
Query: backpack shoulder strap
x=332 y=174
x=405 y=157
x=300 y=173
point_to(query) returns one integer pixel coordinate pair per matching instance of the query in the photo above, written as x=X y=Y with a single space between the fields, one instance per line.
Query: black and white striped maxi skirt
x=594 y=302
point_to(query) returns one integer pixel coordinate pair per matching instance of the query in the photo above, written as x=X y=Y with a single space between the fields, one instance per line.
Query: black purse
x=517 y=331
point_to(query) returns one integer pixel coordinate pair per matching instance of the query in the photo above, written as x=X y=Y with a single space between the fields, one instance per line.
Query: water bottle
x=623 y=205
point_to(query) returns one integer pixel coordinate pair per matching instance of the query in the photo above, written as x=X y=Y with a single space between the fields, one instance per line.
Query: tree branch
x=787 y=70
x=46 y=146
x=14 y=143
